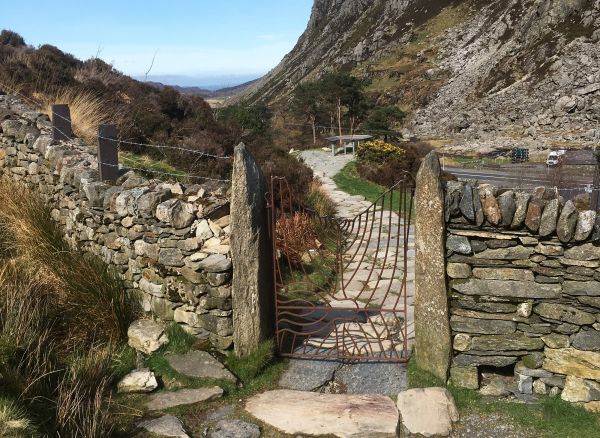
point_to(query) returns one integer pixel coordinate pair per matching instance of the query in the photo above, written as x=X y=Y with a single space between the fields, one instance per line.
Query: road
x=526 y=177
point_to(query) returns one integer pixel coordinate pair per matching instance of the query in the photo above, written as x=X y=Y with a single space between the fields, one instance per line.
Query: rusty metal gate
x=341 y=283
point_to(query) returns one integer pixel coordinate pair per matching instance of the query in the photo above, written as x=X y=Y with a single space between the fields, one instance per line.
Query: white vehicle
x=554 y=157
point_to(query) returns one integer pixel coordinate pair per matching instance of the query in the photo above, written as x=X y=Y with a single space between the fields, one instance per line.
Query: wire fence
x=119 y=141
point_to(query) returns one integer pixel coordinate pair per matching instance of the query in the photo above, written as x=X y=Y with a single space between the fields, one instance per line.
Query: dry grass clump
x=88 y=111
x=296 y=236
x=63 y=317
x=319 y=200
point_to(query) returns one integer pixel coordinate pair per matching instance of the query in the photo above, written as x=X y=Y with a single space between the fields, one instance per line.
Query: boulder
x=585 y=225
x=481 y=326
x=587 y=340
x=501 y=288
x=458 y=270
x=466 y=205
x=176 y=213
x=511 y=253
x=573 y=362
x=427 y=411
x=579 y=390
x=508 y=342
x=215 y=263
x=491 y=209
x=567 y=222
x=564 y=313
x=549 y=218
x=341 y=415
x=458 y=244
x=534 y=215
x=508 y=207
x=464 y=377
x=521 y=204
x=138 y=381
x=146 y=335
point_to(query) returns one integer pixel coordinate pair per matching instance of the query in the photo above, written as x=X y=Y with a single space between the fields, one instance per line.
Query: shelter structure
x=344 y=142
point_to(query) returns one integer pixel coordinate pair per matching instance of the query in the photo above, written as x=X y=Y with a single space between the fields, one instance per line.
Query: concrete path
x=374 y=274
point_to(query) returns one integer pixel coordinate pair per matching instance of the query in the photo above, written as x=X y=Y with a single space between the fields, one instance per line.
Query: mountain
x=206 y=93
x=474 y=73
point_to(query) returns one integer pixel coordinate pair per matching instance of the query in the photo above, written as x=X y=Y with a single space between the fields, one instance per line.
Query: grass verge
x=349 y=181
x=149 y=166
x=63 y=317
x=551 y=417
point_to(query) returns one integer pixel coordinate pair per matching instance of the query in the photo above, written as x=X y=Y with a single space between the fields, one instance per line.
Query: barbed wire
x=149 y=145
x=152 y=171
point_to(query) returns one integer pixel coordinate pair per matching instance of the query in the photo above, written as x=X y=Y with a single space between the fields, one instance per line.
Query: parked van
x=554 y=157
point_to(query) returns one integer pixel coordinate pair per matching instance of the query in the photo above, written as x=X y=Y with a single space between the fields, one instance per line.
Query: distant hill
x=205 y=93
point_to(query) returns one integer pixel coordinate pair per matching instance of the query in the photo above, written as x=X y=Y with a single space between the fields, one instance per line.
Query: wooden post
x=61 y=123
x=108 y=153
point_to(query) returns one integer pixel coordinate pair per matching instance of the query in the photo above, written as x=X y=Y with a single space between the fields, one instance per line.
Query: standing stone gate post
x=251 y=253
x=432 y=326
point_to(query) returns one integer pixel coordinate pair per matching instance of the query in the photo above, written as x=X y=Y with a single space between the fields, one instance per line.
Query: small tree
x=381 y=120
x=344 y=91
x=307 y=101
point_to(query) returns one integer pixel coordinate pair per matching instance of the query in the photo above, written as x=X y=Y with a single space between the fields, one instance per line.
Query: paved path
x=374 y=274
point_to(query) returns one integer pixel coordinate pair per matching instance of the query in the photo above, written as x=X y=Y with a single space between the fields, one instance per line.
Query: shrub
x=378 y=151
x=296 y=235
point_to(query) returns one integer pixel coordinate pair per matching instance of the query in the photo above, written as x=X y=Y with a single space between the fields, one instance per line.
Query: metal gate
x=341 y=284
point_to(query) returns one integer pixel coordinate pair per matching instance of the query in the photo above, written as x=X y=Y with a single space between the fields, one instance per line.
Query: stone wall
x=523 y=279
x=169 y=241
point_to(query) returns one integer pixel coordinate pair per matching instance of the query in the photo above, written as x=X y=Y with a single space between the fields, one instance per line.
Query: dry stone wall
x=169 y=241
x=523 y=278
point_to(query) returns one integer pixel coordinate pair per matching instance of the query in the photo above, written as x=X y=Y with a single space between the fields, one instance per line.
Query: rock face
x=252 y=288
x=481 y=87
x=295 y=412
x=432 y=330
x=428 y=412
x=146 y=335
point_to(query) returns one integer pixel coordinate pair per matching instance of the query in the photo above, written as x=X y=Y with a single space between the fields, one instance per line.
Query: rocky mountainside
x=472 y=73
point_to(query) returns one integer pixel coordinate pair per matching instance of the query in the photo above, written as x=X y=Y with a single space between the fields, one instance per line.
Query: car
x=554 y=157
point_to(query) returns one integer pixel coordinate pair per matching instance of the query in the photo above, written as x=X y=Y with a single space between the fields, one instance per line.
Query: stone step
x=341 y=415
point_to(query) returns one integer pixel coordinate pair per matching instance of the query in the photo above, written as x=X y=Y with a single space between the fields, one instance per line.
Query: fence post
x=108 y=153
x=61 y=122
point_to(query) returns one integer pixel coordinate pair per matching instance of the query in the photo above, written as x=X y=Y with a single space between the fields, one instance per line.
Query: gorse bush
x=63 y=318
x=378 y=151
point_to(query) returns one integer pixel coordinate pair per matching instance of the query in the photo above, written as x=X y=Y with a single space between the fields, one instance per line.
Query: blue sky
x=205 y=40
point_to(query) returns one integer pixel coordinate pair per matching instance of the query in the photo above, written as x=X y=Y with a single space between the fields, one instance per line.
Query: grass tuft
x=318 y=200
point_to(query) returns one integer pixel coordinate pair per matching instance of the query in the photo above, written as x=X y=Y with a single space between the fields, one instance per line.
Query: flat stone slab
x=308 y=375
x=165 y=426
x=234 y=429
x=373 y=378
x=427 y=411
x=199 y=364
x=167 y=400
x=341 y=415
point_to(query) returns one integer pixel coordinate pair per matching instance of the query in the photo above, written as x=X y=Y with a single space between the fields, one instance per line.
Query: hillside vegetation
x=475 y=74
x=145 y=114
